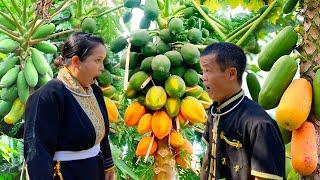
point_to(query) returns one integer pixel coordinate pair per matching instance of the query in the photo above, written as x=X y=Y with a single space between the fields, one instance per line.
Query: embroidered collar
x=72 y=84
x=228 y=105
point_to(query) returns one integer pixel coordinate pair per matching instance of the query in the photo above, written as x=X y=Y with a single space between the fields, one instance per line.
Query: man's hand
x=109 y=174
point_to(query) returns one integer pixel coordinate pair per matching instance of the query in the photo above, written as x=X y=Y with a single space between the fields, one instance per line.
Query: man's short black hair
x=228 y=55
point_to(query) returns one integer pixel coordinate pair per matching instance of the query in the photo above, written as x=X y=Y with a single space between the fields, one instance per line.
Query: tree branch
x=5 y=31
x=14 y=20
x=107 y=11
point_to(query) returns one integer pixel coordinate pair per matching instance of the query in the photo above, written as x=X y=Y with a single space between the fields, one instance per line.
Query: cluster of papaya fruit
x=164 y=84
x=24 y=69
x=111 y=94
x=292 y=99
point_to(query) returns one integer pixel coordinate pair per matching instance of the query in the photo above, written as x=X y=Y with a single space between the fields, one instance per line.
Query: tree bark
x=164 y=165
x=310 y=49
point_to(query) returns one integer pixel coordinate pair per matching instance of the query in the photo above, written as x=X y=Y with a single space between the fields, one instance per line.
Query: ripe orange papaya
x=304 y=157
x=133 y=113
x=143 y=146
x=144 y=125
x=161 y=124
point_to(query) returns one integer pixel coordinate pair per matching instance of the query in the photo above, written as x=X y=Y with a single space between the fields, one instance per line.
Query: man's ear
x=232 y=74
x=75 y=61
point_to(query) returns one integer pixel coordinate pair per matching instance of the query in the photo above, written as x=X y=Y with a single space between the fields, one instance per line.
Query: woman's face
x=92 y=66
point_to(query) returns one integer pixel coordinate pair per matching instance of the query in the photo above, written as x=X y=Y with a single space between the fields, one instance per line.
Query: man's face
x=217 y=81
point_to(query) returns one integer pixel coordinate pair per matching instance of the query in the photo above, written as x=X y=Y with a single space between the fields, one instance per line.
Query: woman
x=66 y=122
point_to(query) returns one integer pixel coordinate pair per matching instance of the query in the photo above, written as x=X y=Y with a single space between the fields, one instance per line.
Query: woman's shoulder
x=53 y=86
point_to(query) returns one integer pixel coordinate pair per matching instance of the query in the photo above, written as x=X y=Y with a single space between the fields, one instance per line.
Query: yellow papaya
x=193 y=110
x=295 y=104
x=156 y=98
x=15 y=113
x=113 y=113
x=176 y=139
x=172 y=106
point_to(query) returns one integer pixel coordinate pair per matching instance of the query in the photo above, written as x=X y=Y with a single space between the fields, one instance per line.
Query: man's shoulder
x=252 y=112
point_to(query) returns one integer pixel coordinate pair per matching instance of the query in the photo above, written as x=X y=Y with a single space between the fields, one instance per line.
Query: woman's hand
x=109 y=174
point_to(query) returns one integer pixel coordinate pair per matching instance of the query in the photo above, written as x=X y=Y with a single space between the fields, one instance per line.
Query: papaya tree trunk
x=164 y=165
x=310 y=49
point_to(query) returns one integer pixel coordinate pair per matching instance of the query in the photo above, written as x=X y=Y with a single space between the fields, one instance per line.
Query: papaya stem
x=220 y=23
x=256 y=23
x=79 y=8
x=24 y=14
x=209 y=20
x=107 y=11
x=234 y=36
x=316 y=68
x=16 y=6
x=35 y=41
x=62 y=7
x=245 y=25
x=9 y=33
x=13 y=20
x=180 y=8
x=167 y=8
x=126 y=73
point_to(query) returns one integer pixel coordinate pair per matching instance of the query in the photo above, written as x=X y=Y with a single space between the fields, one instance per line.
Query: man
x=243 y=141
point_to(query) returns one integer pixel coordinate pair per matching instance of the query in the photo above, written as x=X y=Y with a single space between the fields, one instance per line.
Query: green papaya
x=23 y=88
x=9 y=94
x=161 y=63
x=179 y=71
x=188 y=12
x=277 y=81
x=8 y=45
x=316 y=94
x=43 y=79
x=131 y=3
x=289 y=6
x=134 y=60
x=5 y=107
x=190 y=54
x=150 y=49
x=162 y=47
x=165 y=35
x=176 y=25
x=174 y=57
x=89 y=25
x=253 y=86
x=43 y=31
x=144 y=23
x=160 y=76
x=282 y=44
x=39 y=61
x=146 y=64
x=205 y=32
x=6 y=65
x=46 y=47
x=105 y=78
x=151 y=9
x=30 y=73
x=191 y=77
x=194 y=35
x=118 y=44
x=10 y=77
x=137 y=79
x=127 y=16
x=140 y=37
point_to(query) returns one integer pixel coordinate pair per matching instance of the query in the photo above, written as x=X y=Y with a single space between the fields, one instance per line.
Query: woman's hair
x=78 y=44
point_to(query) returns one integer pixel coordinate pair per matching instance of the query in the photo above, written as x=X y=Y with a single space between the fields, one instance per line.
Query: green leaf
x=125 y=169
